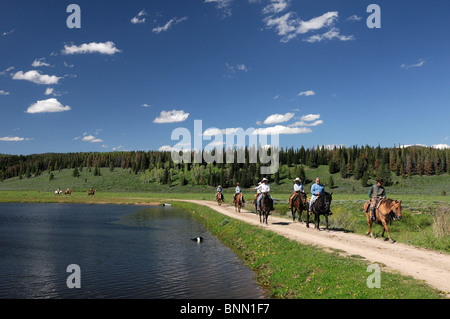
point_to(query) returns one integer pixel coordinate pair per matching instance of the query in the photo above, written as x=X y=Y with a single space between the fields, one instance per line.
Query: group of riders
x=376 y=193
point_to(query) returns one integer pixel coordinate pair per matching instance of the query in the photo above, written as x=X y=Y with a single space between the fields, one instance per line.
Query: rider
x=376 y=194
x=237 y=191
x=264 y=188
x=317 y=189
x=219 y=189
x=298 y=188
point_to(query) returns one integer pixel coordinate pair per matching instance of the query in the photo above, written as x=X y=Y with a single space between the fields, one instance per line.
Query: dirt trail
x=430 y=266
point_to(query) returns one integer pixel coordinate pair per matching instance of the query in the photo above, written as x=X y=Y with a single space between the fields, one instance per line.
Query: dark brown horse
x=321 y=206
x=219 y=198
x=265 y=207
x=91 y=192
x=299 y=205
x=68 y=192
x=238 y=203
x=388 y=210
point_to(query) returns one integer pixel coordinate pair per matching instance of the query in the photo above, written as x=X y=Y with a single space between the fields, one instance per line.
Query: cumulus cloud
x=91 y=139
x=276 y=6
x=307 y=93
x=329 y=35
x=310 y=117
x=169 y=24
x=47 y=106
x=36 y=77
x=303 y=123
x=138 y=19
x=278 y=118
x=2 y=92
x=39 y=62
x=171 y=117
x=93 y=47
x=419 y=64
x=14 y=139
x=289 y=26
x=281 y=129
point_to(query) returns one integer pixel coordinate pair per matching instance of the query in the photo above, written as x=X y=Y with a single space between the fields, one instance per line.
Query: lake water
x=122 y=251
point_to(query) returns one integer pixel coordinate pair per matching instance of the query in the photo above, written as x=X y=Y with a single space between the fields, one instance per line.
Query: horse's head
x=303 y=198
x=324 y=202
x=396 y=209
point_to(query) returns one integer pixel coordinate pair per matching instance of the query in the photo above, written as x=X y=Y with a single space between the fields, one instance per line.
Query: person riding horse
x=317 y=189
x=298 y=188
x=265 y=189
x=376 y=194
x=237 y=191
x=219 y=191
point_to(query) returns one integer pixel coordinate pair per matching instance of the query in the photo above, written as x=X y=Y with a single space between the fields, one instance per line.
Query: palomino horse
x=264 y=209
x=388 y=210
x=238 y=203
x=219 y=198
x=299 y=205
x=321 y=206
x=68 y=192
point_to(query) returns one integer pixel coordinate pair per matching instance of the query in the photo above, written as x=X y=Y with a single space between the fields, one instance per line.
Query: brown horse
x=264 y=210
x=299 y=205
x=238 y=203
x=91 y=192
x=219 y=198
x=388 y=210
x=68 y=192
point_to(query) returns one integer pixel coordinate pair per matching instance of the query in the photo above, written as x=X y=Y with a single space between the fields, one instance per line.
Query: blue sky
x=135 y=71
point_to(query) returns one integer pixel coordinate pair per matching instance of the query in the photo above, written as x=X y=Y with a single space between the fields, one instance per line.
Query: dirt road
x=430 y=266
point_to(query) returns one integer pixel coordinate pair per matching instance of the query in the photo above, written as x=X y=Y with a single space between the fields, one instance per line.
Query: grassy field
x=425 y=202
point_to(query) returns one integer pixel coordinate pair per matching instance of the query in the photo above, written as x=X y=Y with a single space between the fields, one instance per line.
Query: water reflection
x=123 y=252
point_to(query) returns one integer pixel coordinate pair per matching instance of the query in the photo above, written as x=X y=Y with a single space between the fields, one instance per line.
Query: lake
x=123 y=251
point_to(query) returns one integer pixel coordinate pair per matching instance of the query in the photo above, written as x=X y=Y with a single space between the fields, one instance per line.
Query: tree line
x=358 y=162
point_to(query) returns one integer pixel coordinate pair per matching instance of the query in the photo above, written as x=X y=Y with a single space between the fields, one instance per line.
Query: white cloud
x=419 y=64
x=353 y=18
x=47 y=106
x=281 y=129
x=36 y=77
x=223 y=5
x=8 y=32
x=276 y=6
x=231 y=69
x=138 y=19
x=441 y=146
x=169 y=24
x=146 y=105
x=310 y=117
x=14 y=139
x=39 y=62
x=171 y=117
x=278 y=118
x=307 y=93
x=2 y=92
x=216 y=131
x=91 y=139
x=93 y=47
x=303 y=123
x=289 y=26
x=7 y=70
x=49 y=91
x=329 y=35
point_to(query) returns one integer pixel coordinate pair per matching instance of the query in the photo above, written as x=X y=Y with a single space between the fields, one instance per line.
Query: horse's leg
x=307 y=219
x=317 y=221
x=326 y=219
x=293 y=213
x=385 y=227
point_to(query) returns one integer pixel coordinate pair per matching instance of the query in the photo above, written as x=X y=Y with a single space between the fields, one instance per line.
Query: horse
x=58 y=192
x=68 y=192
x=91 y=192
x=255 y=202
x=238 y=203
x=265 y=207
x=299 y=205
x=387 y=211
x=219 y=198
x=321 y=206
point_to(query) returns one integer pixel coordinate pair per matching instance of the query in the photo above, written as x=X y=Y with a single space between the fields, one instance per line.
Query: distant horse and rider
x=91 y=192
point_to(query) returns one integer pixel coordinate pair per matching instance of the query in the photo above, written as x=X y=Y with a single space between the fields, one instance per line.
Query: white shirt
x=298 y=187
x=263 y=188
